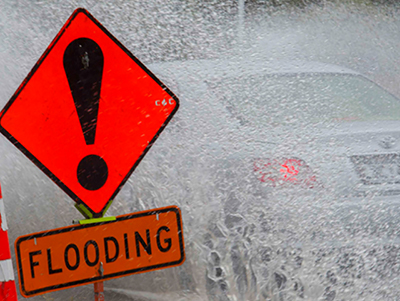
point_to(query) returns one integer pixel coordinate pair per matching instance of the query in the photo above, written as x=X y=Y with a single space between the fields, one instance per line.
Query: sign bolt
x=101 y=269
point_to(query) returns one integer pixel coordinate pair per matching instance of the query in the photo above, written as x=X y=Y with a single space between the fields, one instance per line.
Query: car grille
x=377 y=169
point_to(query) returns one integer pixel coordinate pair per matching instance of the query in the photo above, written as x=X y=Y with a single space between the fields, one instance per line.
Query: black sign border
x=32 y=72
x=99 y=278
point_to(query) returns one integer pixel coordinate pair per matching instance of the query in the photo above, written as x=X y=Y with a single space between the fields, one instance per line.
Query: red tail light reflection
x=282 y=171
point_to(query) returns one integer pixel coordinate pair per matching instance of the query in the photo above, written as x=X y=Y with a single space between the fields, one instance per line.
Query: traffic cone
x=8 y=290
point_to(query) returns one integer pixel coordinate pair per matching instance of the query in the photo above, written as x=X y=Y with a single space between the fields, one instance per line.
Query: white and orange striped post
x=8 y=290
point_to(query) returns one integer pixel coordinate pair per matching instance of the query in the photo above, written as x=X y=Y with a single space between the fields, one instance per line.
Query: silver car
x=301 y=180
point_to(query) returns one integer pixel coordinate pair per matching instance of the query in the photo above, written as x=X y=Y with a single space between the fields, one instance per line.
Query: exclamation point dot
x=92 y=172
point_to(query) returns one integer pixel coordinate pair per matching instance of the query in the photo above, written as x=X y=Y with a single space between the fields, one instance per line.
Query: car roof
x=224 y=68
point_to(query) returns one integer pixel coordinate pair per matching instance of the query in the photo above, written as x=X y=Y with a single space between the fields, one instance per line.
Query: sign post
x=86 y=115
x=98 y=287
x=99 y=291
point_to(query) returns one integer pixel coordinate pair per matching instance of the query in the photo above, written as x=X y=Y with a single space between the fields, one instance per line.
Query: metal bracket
x=97 y=220
x=86 y=212
x=101 y=269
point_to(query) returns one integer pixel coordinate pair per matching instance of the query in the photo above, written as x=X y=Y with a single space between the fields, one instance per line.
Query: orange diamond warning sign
x=88 y=112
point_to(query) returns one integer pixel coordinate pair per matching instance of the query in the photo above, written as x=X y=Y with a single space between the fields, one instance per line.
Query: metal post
x=99 y=291
x=241 y=12
x=98 y=286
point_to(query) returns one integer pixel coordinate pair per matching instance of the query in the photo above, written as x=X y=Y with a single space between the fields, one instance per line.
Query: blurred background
x=362 y=35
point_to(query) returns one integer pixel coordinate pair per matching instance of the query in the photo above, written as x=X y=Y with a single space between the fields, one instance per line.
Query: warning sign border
x=42 y=167
x=98 y=278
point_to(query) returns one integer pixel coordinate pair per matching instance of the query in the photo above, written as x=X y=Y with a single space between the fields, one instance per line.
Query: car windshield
x=306 y=98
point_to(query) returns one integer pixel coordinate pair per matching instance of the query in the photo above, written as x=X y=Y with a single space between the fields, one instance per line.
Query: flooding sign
x=77 y=255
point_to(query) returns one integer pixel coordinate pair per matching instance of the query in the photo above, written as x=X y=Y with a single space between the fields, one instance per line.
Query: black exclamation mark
x=83 y=65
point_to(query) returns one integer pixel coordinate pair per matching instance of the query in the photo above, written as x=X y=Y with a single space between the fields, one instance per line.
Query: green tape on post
x=97 y=220
x=84 y=211
x=89 y=216
x=108 y=206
